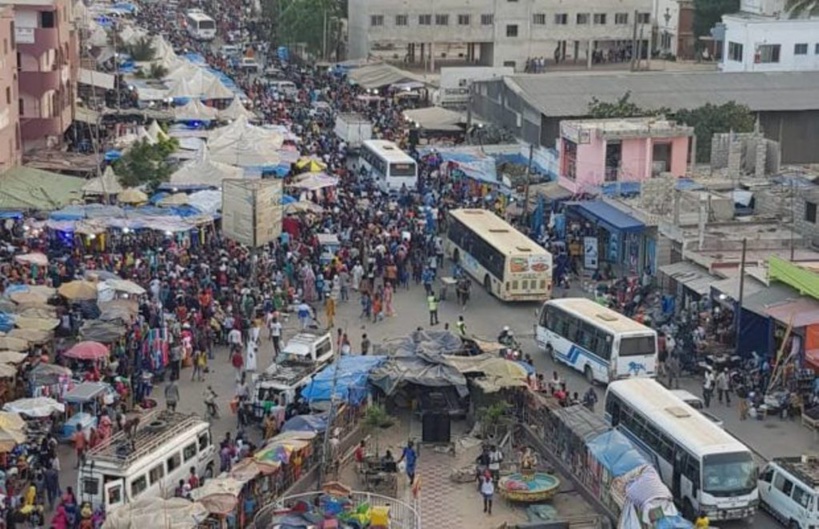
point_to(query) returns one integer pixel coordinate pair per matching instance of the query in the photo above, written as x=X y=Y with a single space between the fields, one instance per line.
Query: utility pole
x=634 y=43
x=324 y=38
x=331 y=415
x=738 y=314
x=528 y=183
x=793 y=219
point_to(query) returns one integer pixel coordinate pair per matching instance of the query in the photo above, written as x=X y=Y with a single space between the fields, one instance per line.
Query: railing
x=402 y=515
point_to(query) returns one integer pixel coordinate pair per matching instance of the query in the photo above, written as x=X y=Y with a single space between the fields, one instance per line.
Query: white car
x=249 y=64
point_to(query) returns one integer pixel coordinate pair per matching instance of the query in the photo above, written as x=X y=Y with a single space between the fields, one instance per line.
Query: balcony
x=40 y=128
x=38 y=83
x=37 y=41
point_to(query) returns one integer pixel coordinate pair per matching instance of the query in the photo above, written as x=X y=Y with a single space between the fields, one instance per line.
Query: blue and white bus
x=706 y=468
x=389 y=166
x=597 y=341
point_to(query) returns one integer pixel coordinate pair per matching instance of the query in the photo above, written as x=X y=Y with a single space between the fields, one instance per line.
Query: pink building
x=9 y=118
x=599 y=151
x=47 y=57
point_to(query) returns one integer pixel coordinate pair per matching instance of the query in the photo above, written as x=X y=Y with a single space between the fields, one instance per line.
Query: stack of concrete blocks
x=657 y=194
x=744 y=155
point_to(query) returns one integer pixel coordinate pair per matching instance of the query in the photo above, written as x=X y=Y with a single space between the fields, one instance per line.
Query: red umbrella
x=87 y=351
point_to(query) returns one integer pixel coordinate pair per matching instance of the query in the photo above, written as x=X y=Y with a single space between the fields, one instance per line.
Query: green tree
x=142 y=50
x=800 y=8
x=707 y=13
x=145 y=163
x=302 y=21
x=157 y=71
x=622 y=108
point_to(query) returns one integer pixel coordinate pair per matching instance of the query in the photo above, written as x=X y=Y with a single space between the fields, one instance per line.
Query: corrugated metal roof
x=565 y=95
x=800 y=312
x=730 y=287
x=693 y=277
x=767 y=297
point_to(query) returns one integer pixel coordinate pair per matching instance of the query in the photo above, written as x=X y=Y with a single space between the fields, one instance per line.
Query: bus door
x=114 y=492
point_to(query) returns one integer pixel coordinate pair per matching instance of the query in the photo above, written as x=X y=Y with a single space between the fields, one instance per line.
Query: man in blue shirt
x=409 y=457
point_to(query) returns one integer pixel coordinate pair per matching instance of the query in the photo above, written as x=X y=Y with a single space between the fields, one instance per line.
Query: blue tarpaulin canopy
x=6 y=322
x=615 y=452
x=350 y=380
x=609 y=217
x=306 y=423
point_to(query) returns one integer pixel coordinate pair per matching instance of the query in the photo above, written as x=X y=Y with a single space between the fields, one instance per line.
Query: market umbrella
x=87 y=351
x=310 y=165
x=102 y=331
x=78 y=290
x=100 y=275
x=34 y=336
x=28 y=297
x=219 y=495
x=42 y=324
x=177 y=199
x=37 y=314
x=124 y=285
x=37 y=407
x=7 y=371
x=13 y=344
x=132 y=195
x=303 y=206
x=32 y=258
x=12 y=431
x=48 y=374
x=12 y=357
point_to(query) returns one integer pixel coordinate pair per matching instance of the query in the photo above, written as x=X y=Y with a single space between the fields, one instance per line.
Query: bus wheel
x=793 y=525
x=487 y=284
x=587 y=372
x=209 y=472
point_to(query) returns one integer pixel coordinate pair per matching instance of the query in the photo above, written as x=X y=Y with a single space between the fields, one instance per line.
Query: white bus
x=597 y=341
x=508 y=264
x=200 y=26
x=388 y=165
x=165 y=447
x=706 y=469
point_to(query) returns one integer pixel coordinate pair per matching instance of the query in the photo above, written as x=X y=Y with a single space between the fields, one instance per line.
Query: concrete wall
x=786 y=33
x=10 y=143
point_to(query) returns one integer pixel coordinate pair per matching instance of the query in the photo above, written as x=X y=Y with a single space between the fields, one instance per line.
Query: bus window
x=189 y=452
x=156 y=474
x=174 y=462
x=138 y=486
x=90 y=486
x=637 y=346
x=204 y=441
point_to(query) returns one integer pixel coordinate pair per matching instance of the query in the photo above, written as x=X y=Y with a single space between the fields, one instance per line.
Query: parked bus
x=200 y=26
x=706 y=468
x=600 y=343
x=148 y=464
x=508 y=264
x=388 y=165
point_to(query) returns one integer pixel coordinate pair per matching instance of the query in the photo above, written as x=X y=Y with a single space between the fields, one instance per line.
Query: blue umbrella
x=287 y=199
x=113 y=155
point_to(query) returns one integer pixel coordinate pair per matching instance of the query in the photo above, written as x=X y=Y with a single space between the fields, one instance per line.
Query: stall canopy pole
x=738 y=315
x=528 y=182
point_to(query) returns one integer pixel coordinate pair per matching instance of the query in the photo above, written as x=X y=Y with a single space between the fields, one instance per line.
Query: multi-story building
x=47 y=61
x=500 y=32
x=674 y=28
x=10 y=142
x=763 y=37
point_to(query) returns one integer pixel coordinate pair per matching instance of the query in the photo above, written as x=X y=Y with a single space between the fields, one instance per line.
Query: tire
x=793 y=524
x=487 y=284
x=589 y=374
x=209 y=472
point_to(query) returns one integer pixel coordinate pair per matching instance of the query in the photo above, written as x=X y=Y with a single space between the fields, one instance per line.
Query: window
x=189 y=452
x=782 y=484
x=799 y=495
x=424 y=20
x=487 y=20
x=8 y=95
x=599 y=19
x=621 y=19
x=768 y=53
x=115 y=495
x=582 y=19
x=47 y=19
x=463 y=20
x=643 y=18
x=376 y=20
x=816 y=49
x=539 y=19
x=800 y=49
x=401 y=20
x=156 y=474
x=5 y=46
x=766 y=475
x=204 y=441
x=810 y=212
x=138 y=486
x=486 y=255
x=90 y=487
x=561 y=19
x=735 y=50
x=637 y=346
x=512 y=30
x=174 y=462
x=13 y=41
x=441 y=20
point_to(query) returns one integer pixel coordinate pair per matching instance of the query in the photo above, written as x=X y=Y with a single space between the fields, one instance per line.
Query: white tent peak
x=108 y=183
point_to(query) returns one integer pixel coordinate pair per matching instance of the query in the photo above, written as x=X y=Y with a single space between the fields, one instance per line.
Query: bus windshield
x=637 y=346
x=207 y=24
x=729 y=474
x=402 y=169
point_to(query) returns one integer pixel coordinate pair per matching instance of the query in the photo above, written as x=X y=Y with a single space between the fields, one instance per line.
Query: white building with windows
x=763 y=38
x=499 y=32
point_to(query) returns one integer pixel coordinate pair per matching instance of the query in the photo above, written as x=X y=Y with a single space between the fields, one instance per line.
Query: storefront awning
x=730 y=288
x=693 y=277
x=609 y=217
x=759 y=302
x=799 y=312
x=102 y=80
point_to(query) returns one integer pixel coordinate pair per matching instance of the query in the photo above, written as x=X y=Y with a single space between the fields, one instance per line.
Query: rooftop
x=629 y=128
x=569 y=94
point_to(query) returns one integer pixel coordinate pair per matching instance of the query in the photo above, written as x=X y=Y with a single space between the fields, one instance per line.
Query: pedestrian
x=276 y=336
x=304 y=314
x=80 y=444
x=409 y=457
x=672 y=370
x=365 y=345
x=432 y=303
x=487 y=492
x=590 y=399
x=461 y=325
x=495 y=460
x=238 y=364
x=330 y=311
x=723 y=383
x=200 y=362
x=708 y=388
x=171 y=395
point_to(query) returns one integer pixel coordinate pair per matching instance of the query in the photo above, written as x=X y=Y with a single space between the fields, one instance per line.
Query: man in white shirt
x=234 y=340
x=276 y=335
x=495 y=459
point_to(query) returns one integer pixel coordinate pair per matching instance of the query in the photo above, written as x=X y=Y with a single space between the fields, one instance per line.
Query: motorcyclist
x=211 y=406
x=505 y=337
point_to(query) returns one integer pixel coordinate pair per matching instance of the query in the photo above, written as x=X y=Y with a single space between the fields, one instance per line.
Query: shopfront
x=611 y=238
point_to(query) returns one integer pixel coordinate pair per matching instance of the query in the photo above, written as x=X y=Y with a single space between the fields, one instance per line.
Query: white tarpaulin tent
x=156 y=132
x=203 y=173
x=242 y=132
x=436 y=118
x=173 y=513
x=186 y=71
x=217 y=90
x=181 y=88
x=236 y=110
x=208 y=201
x=195 y=110
x=107 y=184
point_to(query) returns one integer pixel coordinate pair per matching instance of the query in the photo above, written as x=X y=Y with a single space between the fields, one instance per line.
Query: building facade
x=603 y=151
x=756 y=43
x=10 y=141
x=500 y=32
x=47 y=61
x=674 y=28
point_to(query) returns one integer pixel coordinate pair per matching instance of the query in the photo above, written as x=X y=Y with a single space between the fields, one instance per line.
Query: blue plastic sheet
x=287 y=199
x=306 y=423
x=615 y=452
x=6 y=322
x=350 y=380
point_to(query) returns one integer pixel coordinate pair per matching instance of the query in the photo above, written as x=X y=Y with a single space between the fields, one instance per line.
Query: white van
x=228 y=51
x=165 y=446
x=789 y=491
x=697 y=403
x=286 y=88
